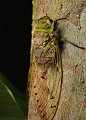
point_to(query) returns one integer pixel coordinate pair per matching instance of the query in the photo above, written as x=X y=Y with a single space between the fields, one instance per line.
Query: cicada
x=45 y=70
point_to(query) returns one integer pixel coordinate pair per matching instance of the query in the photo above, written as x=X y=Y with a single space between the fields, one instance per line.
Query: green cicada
x=45 y=70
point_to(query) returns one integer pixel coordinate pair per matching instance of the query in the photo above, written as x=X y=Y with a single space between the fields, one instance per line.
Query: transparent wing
x=47 y=90
x=47 y=93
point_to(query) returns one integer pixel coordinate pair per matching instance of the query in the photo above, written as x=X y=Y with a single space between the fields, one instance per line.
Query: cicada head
x=44 y=23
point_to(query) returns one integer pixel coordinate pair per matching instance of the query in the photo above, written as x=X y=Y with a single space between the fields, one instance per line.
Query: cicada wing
x=45 y=81
x=54 y=85
x=46 y=90
x=46 y=93
x=31 y=76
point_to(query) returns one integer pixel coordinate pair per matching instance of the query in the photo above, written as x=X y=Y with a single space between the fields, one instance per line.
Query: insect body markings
x=46 y=69
x=46 y=73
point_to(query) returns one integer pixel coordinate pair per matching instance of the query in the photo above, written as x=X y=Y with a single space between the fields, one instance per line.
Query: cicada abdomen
x=45 y=69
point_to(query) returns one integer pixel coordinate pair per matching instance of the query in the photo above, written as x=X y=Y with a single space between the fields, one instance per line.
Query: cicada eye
x=36 y=21
x=49 y=21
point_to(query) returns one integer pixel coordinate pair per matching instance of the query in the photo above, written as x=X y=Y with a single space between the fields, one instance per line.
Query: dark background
x=15 y=39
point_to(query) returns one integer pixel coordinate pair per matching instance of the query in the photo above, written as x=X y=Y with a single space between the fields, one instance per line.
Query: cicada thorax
x=46 y=81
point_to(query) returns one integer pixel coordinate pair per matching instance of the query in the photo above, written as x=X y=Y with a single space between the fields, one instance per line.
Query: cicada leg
x=64 y=40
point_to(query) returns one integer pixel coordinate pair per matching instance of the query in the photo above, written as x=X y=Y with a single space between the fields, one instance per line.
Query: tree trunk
x=72 y=104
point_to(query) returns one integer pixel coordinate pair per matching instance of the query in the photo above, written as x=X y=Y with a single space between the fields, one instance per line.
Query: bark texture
x=72 y=105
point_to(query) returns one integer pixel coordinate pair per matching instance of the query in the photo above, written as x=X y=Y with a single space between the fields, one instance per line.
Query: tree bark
x=72 y=105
